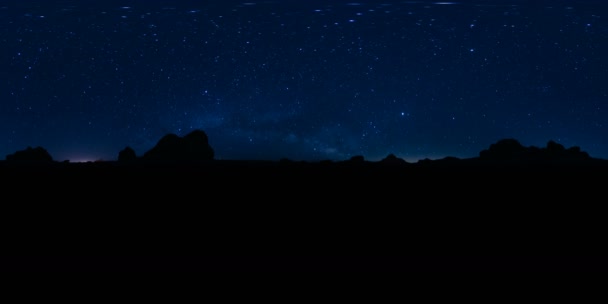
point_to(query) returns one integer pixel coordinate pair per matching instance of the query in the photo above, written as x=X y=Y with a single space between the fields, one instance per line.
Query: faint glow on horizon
x=407 y=158
x=83 y=159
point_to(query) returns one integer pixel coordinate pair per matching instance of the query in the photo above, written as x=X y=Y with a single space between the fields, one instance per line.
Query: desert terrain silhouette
x=176 y=207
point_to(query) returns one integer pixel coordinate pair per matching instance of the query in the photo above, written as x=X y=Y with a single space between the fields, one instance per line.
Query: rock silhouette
x=504 y=149
x=195 y=147
x=512 y=150
x=192 y=147
x=30 y=154
x=391 y=159
x=127 y=155
x=465 y=210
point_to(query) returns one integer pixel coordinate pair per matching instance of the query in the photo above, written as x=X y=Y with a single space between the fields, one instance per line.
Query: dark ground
x=233 y=215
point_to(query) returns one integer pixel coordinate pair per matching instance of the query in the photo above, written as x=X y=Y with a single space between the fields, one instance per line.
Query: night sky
x=304 y=80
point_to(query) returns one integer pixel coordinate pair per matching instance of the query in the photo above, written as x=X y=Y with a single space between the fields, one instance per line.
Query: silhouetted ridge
x=357 y=159
x=511 y=150
x=30 y=154
x=192 y=147
x=391 y=159
x=195 y=147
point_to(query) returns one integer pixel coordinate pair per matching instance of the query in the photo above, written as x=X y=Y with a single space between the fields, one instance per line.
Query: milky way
x=304 y=80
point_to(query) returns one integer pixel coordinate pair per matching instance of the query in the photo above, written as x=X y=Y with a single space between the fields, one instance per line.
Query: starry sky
x=304 y=80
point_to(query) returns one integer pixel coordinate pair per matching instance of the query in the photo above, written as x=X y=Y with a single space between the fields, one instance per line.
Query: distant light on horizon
x=83 y=159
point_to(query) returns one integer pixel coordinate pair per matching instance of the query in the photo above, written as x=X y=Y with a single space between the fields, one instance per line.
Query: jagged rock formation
x=391 y=159
x=192 y=147
x=512 y=150
x=30 y=154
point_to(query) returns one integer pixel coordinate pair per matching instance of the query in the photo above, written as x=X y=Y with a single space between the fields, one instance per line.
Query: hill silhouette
x=194 y=146
x=176 y=207
x=36 y=155
x=511 y=150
